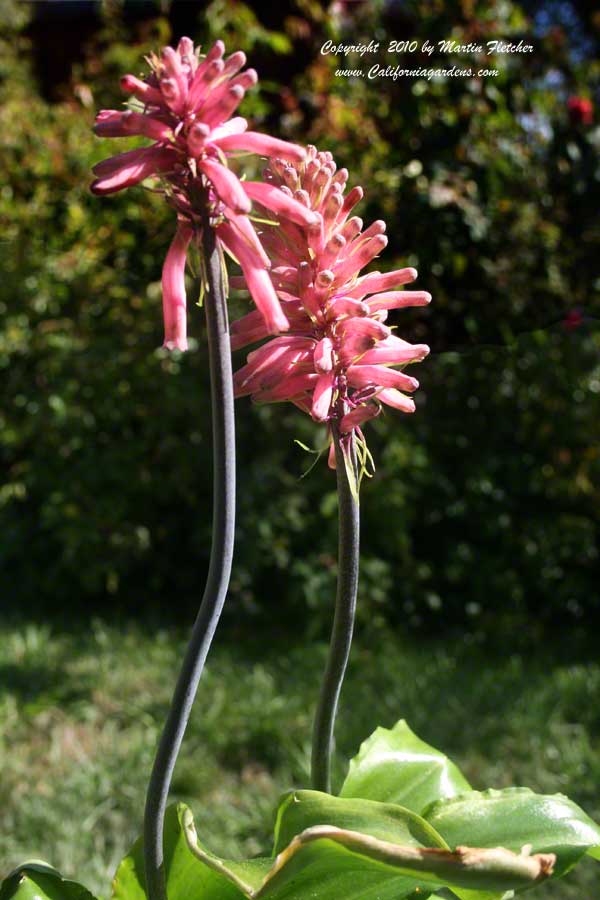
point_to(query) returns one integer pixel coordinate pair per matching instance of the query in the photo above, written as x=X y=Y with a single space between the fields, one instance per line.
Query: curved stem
x=343 y=622
x=223 y=429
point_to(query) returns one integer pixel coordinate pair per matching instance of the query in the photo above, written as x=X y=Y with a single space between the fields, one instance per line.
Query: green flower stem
x=343 y=622
x=223 y=428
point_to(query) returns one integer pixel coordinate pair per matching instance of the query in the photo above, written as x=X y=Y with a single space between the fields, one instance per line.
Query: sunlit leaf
x=395 y=766
x=186 y=875
x=300 y=810
x=516 y=818
x=39 y=881
x=325 y=862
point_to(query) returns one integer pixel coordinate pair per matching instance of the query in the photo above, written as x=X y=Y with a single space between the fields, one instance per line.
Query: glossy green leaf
x=517 y=817
x=300 y=810
x=187 y=876
x=466 y=894
x=39 y=881
x=302 y=871
x=324 y=862
x=327 y=863
x=395 y=766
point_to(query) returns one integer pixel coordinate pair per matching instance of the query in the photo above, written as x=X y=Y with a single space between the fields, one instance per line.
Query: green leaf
x=300 y=810
x=187 y=876
x=517 y=817
x=326 y=863
x=39 y=881
x=395 y=766
x=466 y=894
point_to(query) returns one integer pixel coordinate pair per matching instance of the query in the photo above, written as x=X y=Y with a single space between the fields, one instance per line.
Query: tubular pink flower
x=248 y=330
x=278 y=353
x=257 y=278
x=263 y=144
x=235 y=126
x=356 y=417
x=337 y=362
x=289 y=388
x=365 y=376
x=227 y=185
x=275 y=200
x=323 y=355
x=115 y=123
x=141 y=90
x=249 y=235
x=188 y=105
x=398 y=300
x=132 y=168
x=375 y=282
x=173 y=288
x=322 y=396
x=398 y=400
x=394 y=351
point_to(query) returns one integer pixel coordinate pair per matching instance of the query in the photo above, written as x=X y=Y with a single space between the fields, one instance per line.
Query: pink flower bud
x=140 y=89
x=130 y=168
x=398 y=300
x=362 y=376
x=358 y=326
x=338 y=307
x=174 y=70
x=289 y=387
x=375 y=282
x=234 y=63
x=247 y=330
x=237 y=125
x=114 y=123
x=226 y=184
x=257 y=279
x=278 y=202
x=356 y=417
x=197 y=138
x=323 y=355
x=394 y=351
x=354 y=197
x=205 y=77
x=396 y=399
x=322 y=396
x=352 y=228
x=263 y=144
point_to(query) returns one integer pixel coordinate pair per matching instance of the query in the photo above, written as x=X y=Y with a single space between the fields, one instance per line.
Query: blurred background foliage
x=483 y=512
x=480 y=527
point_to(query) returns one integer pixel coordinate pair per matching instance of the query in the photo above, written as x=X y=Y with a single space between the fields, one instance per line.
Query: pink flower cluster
x=339 y=359
x=186 y=107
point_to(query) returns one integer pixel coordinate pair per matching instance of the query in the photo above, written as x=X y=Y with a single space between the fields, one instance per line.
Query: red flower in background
x=581 y=110
x=573 y=319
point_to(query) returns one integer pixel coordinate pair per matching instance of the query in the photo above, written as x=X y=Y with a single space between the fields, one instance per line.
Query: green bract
x=393 y=833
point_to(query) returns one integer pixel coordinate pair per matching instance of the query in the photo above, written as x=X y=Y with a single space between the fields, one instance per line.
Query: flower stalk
x=345 y=609
x=223 y=429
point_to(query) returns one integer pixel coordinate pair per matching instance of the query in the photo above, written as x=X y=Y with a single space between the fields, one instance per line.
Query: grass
x=80 y=714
